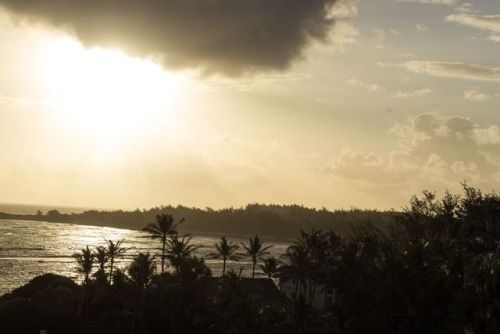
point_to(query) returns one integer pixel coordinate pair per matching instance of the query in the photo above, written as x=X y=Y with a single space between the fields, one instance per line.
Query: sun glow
x=104 y=93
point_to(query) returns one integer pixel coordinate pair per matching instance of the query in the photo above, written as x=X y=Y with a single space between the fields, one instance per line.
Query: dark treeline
x=436 y=269
x=270 y=220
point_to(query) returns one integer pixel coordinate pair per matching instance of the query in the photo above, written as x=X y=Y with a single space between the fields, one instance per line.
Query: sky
x=325 y=103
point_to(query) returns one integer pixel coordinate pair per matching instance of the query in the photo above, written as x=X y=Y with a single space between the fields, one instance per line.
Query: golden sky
x=222 y=103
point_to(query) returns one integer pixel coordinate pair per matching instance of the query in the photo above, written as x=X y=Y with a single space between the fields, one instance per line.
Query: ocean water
x=29 y=248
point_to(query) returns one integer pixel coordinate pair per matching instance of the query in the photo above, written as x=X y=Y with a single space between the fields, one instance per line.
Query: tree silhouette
x=270 y=267
x=255 y=251
x=313 y=245
x=226 y=250
x=85 y=261
x=102 y=258
x=164 y=227
x=178 y=249
x=296 y=267
x=142 y=269
x=114 y=251
x=85 y=264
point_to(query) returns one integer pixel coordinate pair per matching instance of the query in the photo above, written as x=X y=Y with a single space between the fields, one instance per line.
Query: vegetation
x=270 y=267
x=179 y=250
x=269 y=220
x=142 y=269
x=162 y=229
x=226 y=250
x=85 y=263
x=102 y=258
x=114 y=251
x=255 y=251
x=435 y=270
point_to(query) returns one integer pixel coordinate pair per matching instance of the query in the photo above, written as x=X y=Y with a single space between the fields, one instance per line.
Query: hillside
x=270 y=220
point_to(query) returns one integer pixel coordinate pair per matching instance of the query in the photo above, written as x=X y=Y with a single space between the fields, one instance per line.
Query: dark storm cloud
x=230 y=36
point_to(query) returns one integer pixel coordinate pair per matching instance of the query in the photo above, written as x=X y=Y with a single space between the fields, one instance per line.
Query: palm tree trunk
x=253 y=269
x=163 y=255
x=81 y=301
x=223 y=267
x=309 y=287
x=111 y=261
x=139 y=313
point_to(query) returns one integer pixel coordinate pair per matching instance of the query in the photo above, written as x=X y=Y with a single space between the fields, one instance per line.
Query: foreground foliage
x=435 y=270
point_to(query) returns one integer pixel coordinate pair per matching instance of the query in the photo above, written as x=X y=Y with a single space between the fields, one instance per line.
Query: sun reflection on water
x=29 y=249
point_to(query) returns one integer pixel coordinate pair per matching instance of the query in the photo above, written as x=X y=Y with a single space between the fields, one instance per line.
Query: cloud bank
x=434 y=151
x=226 y=36
x=432 y=2
x=374 y=87
x=489 y=23
x=485 y=22
x=453 y=70
x=477 y=96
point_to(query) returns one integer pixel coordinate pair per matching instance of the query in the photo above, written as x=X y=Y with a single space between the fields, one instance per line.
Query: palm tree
x=142 y=269
x=255 y=251
x=114 y=251
x=296 y=267
x=101 y=256
x=141 y=272
x=226 y=250
x=85 y=260
x=179 y=248
x=162 y=229
x=270 y=267
x=314 y=246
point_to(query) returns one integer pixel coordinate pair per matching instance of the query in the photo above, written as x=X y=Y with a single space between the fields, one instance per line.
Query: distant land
x=279 y=221
x=33 y=208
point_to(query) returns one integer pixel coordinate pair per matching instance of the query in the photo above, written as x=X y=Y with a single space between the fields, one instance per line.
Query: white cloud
x=422 y=28
x=456 y=70
x=345 y=32
x=381 y=36
x=259 y=82
x=371 y=87
x=489 y=135
x=432 y=2
x=477 y=96
x=374 y=87
x=465 y=8
x=413 y=93
x=434 y=151
x=485 y=22
x=494 y=38
x=489 y=23
x=405 y=55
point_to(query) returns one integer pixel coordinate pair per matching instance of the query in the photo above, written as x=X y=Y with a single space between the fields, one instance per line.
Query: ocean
x=29 y=249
